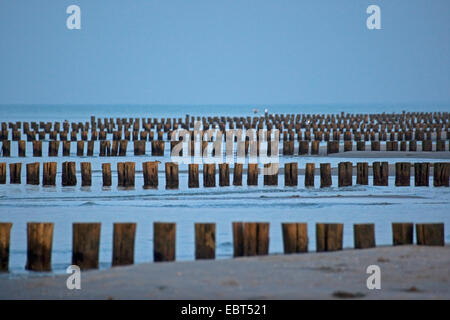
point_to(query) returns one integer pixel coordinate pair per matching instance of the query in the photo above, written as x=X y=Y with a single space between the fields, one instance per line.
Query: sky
x=224 y=52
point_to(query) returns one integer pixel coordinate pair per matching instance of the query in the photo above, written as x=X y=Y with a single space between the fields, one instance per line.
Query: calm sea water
x=64 y=205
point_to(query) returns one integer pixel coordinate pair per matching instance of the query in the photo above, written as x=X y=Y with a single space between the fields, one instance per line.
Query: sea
x=63 y=206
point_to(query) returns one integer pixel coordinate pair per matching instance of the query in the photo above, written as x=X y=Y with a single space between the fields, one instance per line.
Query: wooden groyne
x=300 y=134
x=126 y=174
x=249 y=239
x=157 y=148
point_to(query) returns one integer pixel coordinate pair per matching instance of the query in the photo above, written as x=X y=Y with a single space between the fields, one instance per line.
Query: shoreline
x=407 y=272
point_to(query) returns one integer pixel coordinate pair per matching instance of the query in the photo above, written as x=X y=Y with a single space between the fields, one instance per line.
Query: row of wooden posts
x=288 y=121
x=126 y=174
x=307 y=134
x=249 y=239
x=116 y=148
x=119 y=148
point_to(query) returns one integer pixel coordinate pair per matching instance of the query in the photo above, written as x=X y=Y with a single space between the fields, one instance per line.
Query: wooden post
x=22 y=148
x=250 y=239
x=69 y=174
x=115 y=148
x=348 y=146
x=123 y=244
x=394 y=146
x=329 y=236
x=63 y=135
x=238 y=239
x=15 y=173
x=205 y=241
x=380 y=173
x=256 y=238
x=427 y=145
x=105 y=148
x=362 y=173
x=33 y=173
x=53 y=147
x=402 y=145
x=413 y=145
x=325 y=175
x=402 y=233
x=421 y=174
x=39 y=246
x=158 y=148
x=224 y=174
x=80 y=148
x=288 y=148
x=2 y=173
x=209 y=175
x=150 y=171
x=332 y=147
x=430 y=234
x=295 y=237
x=139 y=147
x=125 y=174
x=163 y=241
x=85 y=245
x=252 y=174
x=172 y=175
x=5 y=235
x=237 y=174
x=86 y=174
x=345 y=171
x=123 y=144
x=441 y=171
x=193 y=181
x=6 y=148
x=402 y=174
x=375 y=145
x=90 y=148
x=309 y=175
x=291 y=174
x=360 y=146
x=106 y=173
x=49 y=174
x=389 y=146
x=66 y=148
x=37 y=148
x=440 y=145
x=303 y=147
x=364 y=235
x=73 y=135
x=315 y=147
x=271 y=179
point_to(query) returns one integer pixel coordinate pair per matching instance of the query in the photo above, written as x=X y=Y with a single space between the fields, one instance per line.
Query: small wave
x=379 y=204
x=88 y=203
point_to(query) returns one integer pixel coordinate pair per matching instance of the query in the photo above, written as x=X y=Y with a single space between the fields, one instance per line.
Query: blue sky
x=224 y=52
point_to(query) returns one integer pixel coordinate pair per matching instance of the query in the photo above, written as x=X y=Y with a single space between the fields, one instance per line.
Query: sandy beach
x=407 y=272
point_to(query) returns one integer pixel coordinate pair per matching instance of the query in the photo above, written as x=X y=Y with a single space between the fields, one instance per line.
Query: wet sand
x=407 y=272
